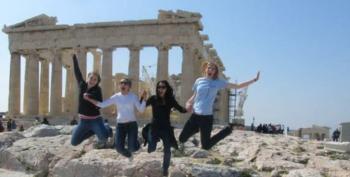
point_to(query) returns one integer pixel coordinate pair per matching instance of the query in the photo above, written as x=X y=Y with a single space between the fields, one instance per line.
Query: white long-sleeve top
x=125 y=105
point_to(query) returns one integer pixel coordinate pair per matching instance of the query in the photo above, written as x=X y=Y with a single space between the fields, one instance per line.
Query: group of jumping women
x=200 y=105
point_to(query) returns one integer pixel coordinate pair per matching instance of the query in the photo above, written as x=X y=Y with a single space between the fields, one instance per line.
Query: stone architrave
x=106 y=78
x=44 y=87
x=31 y=84
x=56 y=83
x=163 y=62
x=134 y=67
x=14 y=107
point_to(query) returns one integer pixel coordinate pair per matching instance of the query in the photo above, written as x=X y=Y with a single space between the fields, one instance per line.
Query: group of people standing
x=200 y=105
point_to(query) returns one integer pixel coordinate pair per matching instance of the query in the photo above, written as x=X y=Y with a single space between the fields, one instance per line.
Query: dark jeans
x=88 y=127
x=130 y=130
x=204 y=124
x=152 y=145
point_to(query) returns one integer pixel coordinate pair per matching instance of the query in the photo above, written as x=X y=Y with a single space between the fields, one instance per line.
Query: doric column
x=44 y=87
x=97 y=61
x=69 y=90
x=56 y=83
x=134 y=67
x=163 y=62
x=106 y=77
x=14 y=107
x=187 y=77
x=31 y=84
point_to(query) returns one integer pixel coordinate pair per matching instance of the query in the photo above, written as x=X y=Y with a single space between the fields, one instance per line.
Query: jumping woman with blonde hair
x=201 y=105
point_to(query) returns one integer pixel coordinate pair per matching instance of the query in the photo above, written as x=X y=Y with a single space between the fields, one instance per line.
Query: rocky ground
x=46 y=151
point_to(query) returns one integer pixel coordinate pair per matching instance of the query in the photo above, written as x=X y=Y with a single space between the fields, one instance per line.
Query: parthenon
x=41 y=41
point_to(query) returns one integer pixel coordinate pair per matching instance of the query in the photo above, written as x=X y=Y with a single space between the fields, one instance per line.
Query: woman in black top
x=90 y=120
x=160 y=128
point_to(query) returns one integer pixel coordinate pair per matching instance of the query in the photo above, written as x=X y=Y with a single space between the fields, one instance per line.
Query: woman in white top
x=125 y=102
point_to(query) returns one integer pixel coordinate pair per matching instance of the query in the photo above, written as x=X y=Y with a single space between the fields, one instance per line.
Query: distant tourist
x=36 y=121
x=9 y=125
x=45 y=121
x=252 y=128
x=336 y=135
x=205 y=90
x=110 y=131
x=13 y=125
x=21 y=128
x=2 y=128
x=73 y=121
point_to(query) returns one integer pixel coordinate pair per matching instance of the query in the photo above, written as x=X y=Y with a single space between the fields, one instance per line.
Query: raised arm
x=244 y=84
x=77 y=72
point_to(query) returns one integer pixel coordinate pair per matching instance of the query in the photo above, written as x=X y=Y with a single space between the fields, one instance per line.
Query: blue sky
x=302 y=49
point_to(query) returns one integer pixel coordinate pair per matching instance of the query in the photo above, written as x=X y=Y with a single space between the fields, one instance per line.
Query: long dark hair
x=169 y=94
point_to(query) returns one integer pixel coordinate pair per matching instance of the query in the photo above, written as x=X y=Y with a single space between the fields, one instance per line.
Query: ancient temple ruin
x=41 y=41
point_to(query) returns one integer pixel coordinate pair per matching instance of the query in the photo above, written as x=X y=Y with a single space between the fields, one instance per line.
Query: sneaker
x=182 y=147
x=231 y=126
x=195 y=142
x=100 y=145
x=131 y=158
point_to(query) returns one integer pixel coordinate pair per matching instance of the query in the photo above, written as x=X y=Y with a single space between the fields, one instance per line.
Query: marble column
x=163 y=62
x=31 y=84
x=81 y=55
x=106 y=78
x=97 y=61
x=134 y=67
x=56 y=83
x=14 y=104
x=69 y=90
x=44 y=87
x=188 y=78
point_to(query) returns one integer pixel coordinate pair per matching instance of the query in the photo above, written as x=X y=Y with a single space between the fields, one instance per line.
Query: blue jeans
x=152 y=145
x=88 y=127
x=130 y=130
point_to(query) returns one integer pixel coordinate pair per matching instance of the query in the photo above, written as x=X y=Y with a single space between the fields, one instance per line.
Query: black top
x=161 y=112
x=85 y=107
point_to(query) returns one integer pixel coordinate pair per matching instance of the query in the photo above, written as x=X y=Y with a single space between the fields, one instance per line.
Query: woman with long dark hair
x=160 y=127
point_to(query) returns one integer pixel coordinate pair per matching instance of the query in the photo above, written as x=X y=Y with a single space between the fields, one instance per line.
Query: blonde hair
x=205 y=65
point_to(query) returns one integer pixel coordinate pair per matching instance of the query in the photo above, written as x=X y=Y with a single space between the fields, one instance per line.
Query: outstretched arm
x=77 y=71
x=244 y=84
x=102 y=104
x=178 y=107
